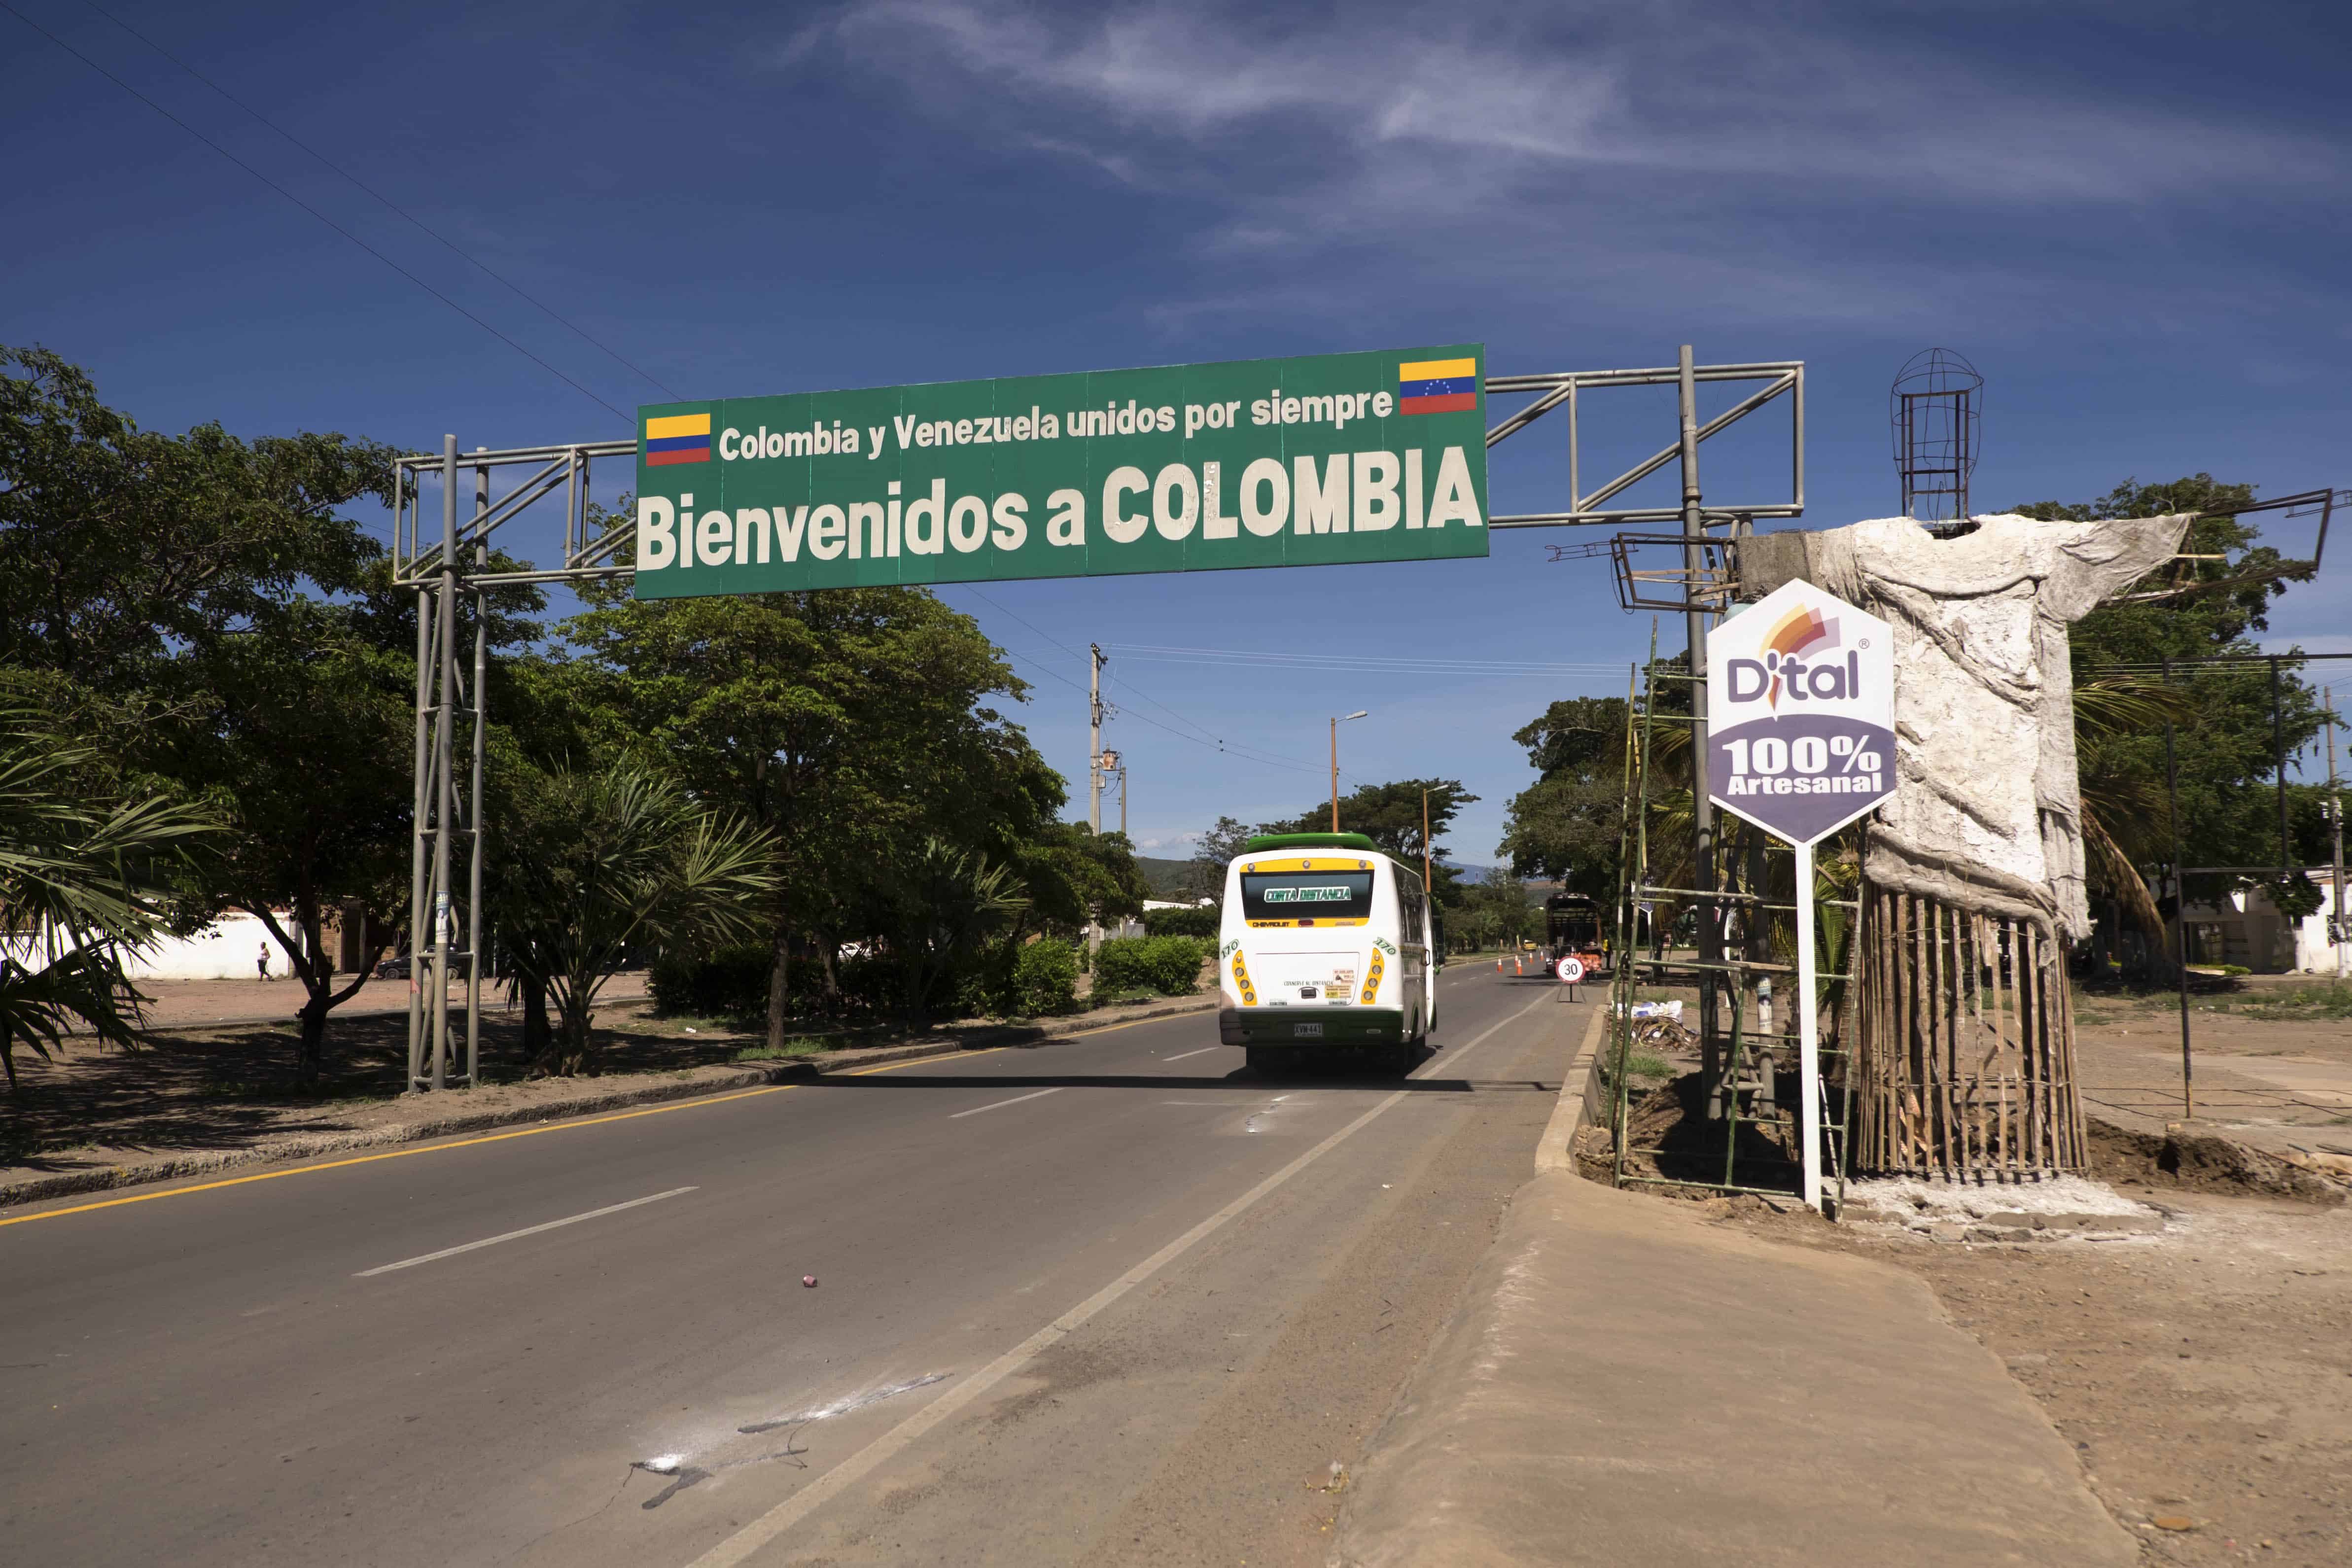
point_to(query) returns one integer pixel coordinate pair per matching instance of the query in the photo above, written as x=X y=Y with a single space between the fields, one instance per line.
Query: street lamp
x=1359 y=712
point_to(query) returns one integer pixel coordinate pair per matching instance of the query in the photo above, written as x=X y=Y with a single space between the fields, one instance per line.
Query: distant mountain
x=1165 y=876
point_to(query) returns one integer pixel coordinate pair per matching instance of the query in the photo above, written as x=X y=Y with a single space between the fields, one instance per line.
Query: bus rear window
x=1318 y=895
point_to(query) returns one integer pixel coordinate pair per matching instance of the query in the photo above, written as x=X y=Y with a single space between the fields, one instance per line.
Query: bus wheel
x=1261 y=1061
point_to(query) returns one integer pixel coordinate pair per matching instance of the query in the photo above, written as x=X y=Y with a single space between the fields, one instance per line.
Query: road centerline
x=999 y=1104
x=1202 y=1052
x=518 y=1235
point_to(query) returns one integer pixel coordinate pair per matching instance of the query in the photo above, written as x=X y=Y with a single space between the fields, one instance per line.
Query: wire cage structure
x=1933 y=408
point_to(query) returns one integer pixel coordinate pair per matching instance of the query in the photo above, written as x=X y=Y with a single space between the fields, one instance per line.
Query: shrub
x=729 y=983
x=1044 y=979
x=1169 y=965
x=1200 y=921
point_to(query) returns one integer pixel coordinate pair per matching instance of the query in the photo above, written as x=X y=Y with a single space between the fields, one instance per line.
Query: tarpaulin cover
x=1986 y=814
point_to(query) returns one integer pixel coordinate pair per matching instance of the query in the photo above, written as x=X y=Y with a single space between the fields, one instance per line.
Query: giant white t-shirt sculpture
x=1986 y=814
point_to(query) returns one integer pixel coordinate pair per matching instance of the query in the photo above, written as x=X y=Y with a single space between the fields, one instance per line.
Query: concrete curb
x=1556 y=1150
x=753 y=1076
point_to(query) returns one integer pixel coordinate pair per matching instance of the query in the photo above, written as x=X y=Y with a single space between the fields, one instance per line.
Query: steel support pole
x=1711 y=1085
x=2278 y=760
x=443 y=754
x=2179 y=910
x=2339 y=936
x=1094 y=766
x=474 y=816
x=417 y=893
x=1809 y=1040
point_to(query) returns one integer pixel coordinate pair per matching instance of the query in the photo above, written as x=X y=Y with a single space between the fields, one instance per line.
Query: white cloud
x=1787 y=166
x=1671 y=90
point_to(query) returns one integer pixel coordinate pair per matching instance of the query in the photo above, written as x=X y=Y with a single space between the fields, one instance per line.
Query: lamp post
x=1335 y=723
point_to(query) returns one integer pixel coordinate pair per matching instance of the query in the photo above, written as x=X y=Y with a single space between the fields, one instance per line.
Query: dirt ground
x=2203 y=1372
x=2204 y=1375
x=2273 y=1059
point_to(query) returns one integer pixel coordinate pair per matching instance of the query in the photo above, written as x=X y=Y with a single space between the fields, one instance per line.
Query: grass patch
x=803 y=1046
x=1643 y=1064
x=2329 y=999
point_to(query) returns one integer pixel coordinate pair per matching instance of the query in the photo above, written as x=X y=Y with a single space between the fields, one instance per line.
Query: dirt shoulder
x=2202 y=1374
x=200 y=1099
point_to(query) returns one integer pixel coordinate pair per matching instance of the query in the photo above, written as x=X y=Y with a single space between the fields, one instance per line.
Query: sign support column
x=1809 y=1039
x=1801 y=686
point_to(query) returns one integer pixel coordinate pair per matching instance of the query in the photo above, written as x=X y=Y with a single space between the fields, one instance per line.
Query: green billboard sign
x=1298 y=462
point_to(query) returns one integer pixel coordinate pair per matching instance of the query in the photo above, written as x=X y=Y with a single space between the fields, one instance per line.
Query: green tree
x=606 y=860
x=2223 y=717
x=1213 y=854
x=204 y=604
x=854 y=724
x=944 y=903
x=1570 y=824
x=123 y=549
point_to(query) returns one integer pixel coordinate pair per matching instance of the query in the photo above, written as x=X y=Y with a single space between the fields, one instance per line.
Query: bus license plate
x=1306 y=1031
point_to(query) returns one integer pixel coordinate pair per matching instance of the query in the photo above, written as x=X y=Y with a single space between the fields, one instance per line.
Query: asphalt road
x=1111 y=1300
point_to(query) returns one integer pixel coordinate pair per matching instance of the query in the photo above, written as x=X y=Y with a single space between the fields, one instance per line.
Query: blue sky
x=2132 y=220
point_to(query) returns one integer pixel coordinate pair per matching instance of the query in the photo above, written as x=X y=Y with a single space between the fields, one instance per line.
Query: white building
x=2246 y=928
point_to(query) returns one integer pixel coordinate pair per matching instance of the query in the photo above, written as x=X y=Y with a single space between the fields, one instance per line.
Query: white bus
x=1327 y=945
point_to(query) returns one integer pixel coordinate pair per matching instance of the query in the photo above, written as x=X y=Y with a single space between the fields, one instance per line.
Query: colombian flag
x=1437 y=386
x=677 y=438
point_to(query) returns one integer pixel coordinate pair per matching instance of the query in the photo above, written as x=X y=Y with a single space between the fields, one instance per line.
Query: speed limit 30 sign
x=1800 y=713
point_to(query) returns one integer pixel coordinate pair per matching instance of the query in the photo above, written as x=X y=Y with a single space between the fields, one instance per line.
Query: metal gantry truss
x=455 y=567
x=1562 y=390
x=443 y=574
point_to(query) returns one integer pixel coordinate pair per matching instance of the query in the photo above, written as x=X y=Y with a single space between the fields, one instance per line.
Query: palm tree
x=944 y=903
x=2125 y=822
x=602 y=862
x=77 y=892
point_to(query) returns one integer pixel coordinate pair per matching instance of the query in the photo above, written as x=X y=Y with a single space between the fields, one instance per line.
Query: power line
x=321 y=158
x=1206 y=738
x=1350 y=661
x=314 y=212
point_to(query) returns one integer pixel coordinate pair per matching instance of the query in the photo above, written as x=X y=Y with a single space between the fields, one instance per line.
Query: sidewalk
x=1628 y=1382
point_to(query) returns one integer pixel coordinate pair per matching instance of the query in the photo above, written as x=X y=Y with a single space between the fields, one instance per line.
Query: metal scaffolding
x=448 y=575
x=1736 y=1096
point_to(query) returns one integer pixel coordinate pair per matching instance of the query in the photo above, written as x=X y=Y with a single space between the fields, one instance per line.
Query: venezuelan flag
x=1437 y=386
x=677 y=438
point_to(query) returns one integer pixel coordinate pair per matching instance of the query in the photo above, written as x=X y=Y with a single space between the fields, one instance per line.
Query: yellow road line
x=470 y=1142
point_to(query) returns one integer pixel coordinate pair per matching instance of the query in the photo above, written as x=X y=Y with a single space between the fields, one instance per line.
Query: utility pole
x=1094 y=742
x=2338 y=934
x=1094 y=763
x=1710 y=946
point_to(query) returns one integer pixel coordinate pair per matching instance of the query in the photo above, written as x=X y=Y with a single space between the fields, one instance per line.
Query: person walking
x=261 y=960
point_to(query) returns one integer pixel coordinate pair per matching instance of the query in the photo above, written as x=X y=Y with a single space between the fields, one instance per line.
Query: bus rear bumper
x=1311 y=1026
